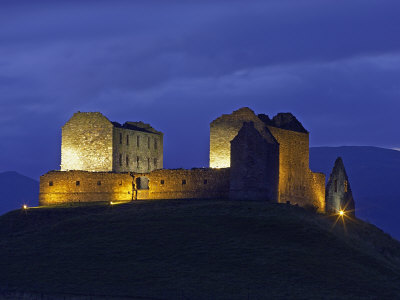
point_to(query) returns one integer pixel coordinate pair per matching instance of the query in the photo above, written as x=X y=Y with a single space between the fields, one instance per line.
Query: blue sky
x=180 y=64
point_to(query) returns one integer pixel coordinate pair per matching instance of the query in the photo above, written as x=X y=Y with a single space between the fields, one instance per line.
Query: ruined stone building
x=90 y=142
x=252 y=157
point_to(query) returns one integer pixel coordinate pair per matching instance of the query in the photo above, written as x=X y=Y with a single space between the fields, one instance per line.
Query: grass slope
x=197 y=250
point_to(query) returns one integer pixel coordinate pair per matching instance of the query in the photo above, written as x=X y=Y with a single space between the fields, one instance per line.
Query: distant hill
x=194 y=249
x=374 y=175
x=16 y=190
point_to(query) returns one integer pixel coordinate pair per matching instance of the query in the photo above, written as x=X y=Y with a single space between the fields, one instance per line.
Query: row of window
x=138 y=141
x=78 y=183
x=138 y=161
x=162 y=182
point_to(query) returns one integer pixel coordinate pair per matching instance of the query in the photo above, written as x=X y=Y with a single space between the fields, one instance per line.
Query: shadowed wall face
x=338 y=191
x=87 y=143
x=254 y=166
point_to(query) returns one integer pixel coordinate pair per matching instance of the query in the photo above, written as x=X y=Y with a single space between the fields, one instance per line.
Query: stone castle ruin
x=252 y=157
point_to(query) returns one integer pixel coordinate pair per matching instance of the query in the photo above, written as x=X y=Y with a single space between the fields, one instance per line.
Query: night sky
x=180 y=64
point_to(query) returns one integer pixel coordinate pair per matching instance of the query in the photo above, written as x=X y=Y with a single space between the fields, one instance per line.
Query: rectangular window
x=50 y=183
x=205 y=181
x=99 y=182
x=137 y=162
x=162 y=181
x=120 y=160
x=155 y=144
x=127 y=160
x=155 y=163
x=148 y=164
x=78 y=183
x=148 y=142
x=127 y=139
x=184 y=181
x=335 y=186
x=138 y=141
x=120 y=138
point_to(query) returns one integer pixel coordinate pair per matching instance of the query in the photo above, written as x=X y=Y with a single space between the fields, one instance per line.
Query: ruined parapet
x=338 y=192
x=254 y=171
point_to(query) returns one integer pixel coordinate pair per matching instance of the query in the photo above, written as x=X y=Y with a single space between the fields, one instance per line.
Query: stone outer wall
x=87 y=141
x=200 y=183
x=149 y=151
x=59 y=187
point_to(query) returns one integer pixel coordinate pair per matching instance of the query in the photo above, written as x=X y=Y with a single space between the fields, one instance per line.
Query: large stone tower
x=297 y=183
x=90 y=142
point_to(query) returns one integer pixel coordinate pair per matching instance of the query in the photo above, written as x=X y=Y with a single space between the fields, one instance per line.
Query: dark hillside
x=16 y=190
x=197 y=250
x=374 y=175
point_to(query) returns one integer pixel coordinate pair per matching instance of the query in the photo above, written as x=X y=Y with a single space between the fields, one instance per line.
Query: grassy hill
x=197 y=250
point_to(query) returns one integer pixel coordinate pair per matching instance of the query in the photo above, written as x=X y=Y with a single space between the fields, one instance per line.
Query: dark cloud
x=180 y=64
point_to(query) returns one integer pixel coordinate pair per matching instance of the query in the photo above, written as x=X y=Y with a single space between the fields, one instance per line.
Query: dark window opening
x=99 y=182
x=162 y=181
x=184 y=181
x=50 y=183
x=120 y=138
x=155 y=163
x=78 y=183
x=120 y=159
x=127 y=139
x=205 y=181
x=148 y=142
x=155 y=144
x=335 y=186
x=127 y=161
x=345 y=186
x=137 y=162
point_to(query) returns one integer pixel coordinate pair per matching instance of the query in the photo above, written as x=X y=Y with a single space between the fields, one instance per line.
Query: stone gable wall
x=87 y=141
x=222 y=132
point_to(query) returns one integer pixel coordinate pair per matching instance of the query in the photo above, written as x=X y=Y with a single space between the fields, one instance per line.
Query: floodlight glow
x=25 y=206
x=341 y=213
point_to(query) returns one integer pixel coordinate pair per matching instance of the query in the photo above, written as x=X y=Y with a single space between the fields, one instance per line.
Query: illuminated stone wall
x=87 y=143
x=187 y=184
x=90 y=142
x=59 y=187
